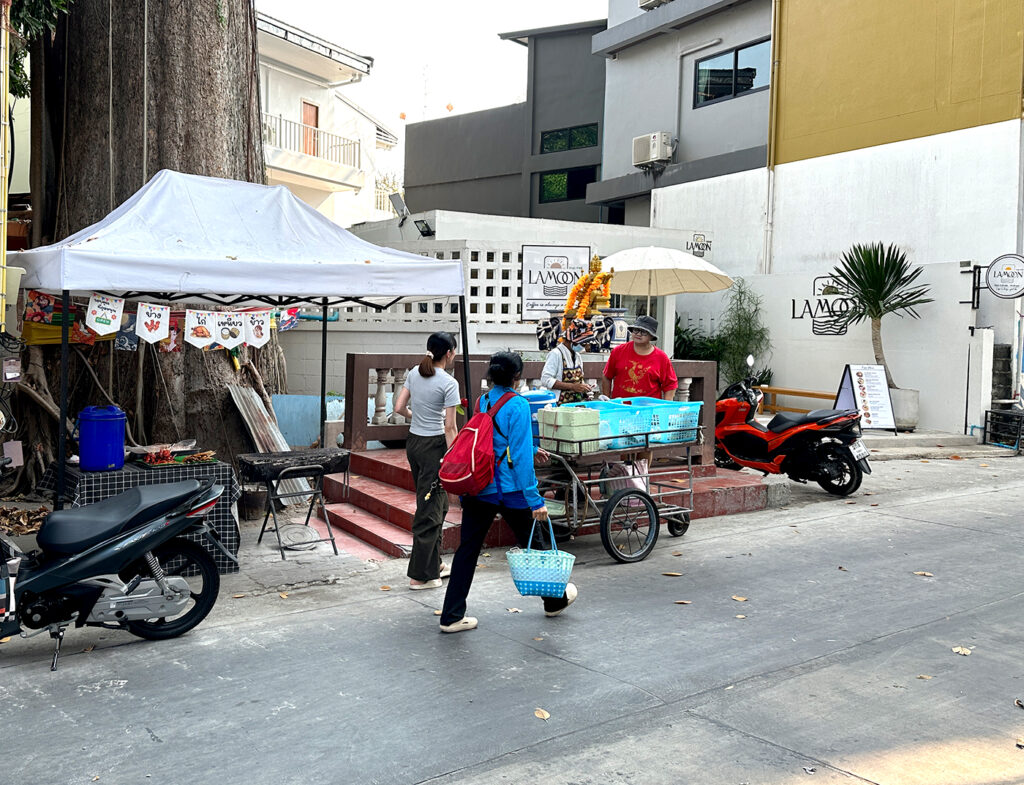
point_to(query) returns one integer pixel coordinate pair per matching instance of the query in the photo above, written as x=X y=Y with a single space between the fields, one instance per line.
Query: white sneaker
x=463 y=624
x=571 y=592
x=445 y=571
x=434 y=584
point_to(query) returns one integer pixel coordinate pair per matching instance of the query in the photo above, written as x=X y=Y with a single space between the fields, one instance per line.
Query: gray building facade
x=696 y=69
x=532 y=160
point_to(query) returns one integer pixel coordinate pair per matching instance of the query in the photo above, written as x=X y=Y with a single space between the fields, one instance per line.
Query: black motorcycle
x=123 y=563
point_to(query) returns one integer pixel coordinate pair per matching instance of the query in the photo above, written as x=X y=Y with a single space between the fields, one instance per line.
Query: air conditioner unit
x=652 y=148
x=647 y=5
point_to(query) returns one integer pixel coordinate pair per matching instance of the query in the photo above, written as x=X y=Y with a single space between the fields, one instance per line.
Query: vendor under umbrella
x=563 y=368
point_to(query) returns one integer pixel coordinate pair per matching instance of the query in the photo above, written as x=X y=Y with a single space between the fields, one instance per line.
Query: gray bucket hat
x=648 y=324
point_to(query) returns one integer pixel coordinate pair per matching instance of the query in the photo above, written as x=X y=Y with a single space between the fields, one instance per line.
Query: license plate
x=858 y=450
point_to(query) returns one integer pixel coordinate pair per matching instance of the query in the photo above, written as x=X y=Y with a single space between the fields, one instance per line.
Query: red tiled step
x=390 y=466
x=392 y=540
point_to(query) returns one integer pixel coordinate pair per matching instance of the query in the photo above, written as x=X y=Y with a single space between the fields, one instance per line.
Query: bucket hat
x=648 y=324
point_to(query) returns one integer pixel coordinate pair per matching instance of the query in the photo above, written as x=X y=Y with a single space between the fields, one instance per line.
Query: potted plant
x=879 y=280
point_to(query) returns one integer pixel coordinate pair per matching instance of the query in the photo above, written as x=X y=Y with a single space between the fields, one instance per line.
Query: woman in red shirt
x=639 y=368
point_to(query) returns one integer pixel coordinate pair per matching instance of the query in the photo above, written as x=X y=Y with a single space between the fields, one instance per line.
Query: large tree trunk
x=180 y=92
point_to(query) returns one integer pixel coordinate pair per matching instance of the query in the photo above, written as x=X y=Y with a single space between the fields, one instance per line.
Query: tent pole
x=323 y=373
x=465 y=355
x=62 y=427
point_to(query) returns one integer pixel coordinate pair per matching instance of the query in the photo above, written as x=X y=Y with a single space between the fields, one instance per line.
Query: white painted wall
x=929 y=354
x=732 y=207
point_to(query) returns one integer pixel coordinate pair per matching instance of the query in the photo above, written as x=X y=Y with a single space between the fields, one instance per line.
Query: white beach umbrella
x=658 y=272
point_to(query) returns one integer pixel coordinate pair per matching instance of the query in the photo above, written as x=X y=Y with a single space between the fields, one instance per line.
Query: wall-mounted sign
x=863 y=387
x=1005 y=276
x=823 y=308
x=549 y=273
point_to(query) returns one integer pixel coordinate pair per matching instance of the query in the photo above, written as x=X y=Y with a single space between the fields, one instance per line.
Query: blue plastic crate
x=677 y=420
x=621 y=427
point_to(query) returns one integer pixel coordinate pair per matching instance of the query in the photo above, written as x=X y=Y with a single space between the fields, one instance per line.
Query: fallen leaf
x=283 y=595
x=810 y=769
x=1020 y=742
x=672 y=574
x=481 y=566
x=437 y=613
x=851 y=502
x=89 y=648
x=924 y=676
x=868 y=493
x=731 y=686
x=924 y=574
x=684 y=602
x=238 y=596
x=513 y=610
x=677 y=553
x=4 y=640
x=487 y=555
x=538 y=639
x=925 y=461
x=738 y=598
x=983 y=465
x=232 y=258
x=955 y=458
x=385 y=588
x=541 y=714
x=844 y=569
x=962 y=651
x=875 y=504
x=96 y=778
x=740 y=616
x=1018 y=703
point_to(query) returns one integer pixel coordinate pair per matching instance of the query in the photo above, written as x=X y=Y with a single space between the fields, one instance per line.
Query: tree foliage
x=878 y=281
x=30 y=19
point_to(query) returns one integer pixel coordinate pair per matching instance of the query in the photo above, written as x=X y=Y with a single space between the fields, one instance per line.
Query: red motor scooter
x=823 y=446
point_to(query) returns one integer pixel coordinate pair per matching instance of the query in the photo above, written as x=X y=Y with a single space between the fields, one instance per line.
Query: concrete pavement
x=819 y=682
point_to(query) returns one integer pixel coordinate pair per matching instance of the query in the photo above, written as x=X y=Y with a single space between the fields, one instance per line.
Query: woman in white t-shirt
x=432 y=395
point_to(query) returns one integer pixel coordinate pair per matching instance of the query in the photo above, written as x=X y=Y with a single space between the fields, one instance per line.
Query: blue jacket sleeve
x=520 y=442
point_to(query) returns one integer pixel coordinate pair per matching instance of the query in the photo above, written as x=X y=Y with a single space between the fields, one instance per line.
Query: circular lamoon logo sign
x=1005 y=276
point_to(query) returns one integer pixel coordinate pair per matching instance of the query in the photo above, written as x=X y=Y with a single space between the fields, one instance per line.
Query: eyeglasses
x=638 y=331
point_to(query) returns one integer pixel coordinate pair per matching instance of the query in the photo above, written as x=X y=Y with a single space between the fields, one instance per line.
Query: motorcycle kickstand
x=58 y=637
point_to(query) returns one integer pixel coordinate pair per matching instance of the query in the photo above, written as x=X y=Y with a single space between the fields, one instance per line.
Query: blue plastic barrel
x=101 y=438
x=538 y=399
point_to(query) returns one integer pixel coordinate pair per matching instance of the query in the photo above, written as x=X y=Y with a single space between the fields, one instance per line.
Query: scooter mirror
x=750 y=361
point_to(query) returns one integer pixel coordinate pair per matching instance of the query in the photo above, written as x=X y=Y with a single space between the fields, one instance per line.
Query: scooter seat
x=71 y=531
x=783 y=421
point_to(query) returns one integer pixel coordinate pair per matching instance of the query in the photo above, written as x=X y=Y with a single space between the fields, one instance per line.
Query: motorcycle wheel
x=844 y=476
x=629 y=525
x=192 y=562
x=723 y=461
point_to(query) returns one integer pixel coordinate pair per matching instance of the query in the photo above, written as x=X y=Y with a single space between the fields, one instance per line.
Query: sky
x=428 y=54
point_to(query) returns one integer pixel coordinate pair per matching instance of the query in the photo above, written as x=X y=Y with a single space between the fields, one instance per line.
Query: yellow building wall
x=857 y=73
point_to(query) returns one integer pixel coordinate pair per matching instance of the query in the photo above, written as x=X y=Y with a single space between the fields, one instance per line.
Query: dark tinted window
x=733 y=73
x=574 y=138
x=567 y=185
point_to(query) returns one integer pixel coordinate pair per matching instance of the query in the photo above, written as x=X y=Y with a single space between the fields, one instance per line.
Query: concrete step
x=877 y=440
x=370 y=529
x=977 y=452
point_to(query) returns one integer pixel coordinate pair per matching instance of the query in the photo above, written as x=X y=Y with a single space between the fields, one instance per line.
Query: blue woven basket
x=539 y=573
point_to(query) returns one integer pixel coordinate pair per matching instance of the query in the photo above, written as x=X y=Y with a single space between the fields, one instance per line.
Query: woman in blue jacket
x=512 y=493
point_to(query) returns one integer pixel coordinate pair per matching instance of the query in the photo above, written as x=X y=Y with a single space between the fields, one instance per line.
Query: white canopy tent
x=204 y=239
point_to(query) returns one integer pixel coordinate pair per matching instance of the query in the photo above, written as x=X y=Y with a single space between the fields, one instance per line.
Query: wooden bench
x=770 y=403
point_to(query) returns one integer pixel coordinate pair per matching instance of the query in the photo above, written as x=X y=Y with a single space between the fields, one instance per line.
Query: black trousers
x=477 y=517
x=425 y=454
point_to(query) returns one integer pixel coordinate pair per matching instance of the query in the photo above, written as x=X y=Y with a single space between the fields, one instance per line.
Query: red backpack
x=468 y=466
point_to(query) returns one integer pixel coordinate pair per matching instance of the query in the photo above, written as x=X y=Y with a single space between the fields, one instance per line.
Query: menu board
x=864 y=388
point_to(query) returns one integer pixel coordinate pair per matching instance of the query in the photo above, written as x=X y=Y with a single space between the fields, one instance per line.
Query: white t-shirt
x=428 y=398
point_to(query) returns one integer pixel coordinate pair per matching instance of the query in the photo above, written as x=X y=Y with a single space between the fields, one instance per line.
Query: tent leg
x=465 y=354
x=62 y=428
x=323 y=374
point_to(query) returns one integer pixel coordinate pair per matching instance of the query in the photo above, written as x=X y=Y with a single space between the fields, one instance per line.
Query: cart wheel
x=629 y=525
x=678 y=524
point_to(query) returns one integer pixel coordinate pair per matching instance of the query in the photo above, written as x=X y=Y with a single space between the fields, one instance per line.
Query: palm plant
x=878 y=281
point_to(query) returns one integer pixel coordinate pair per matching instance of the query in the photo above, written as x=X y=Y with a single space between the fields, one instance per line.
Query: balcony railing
x=310 y=140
